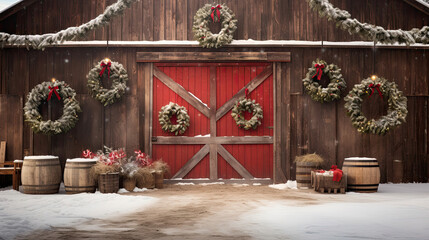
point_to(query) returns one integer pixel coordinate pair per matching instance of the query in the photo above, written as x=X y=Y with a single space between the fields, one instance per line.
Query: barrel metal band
x=360 y=165
x=360 y=160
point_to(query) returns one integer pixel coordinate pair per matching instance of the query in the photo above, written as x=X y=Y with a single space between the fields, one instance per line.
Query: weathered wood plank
x=182 y=92
x=213 y=147
x=213 y=140
x=234 y=163
x=212 y=56
x=279 y=119
x=192 y=162
x=147 y=84
x=252 y=85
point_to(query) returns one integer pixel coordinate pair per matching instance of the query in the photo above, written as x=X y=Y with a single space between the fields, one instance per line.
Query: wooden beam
x=209 y=140
x=252 y=85
x=192 y=162
x=234 y=163
x=279 y=175
x=16 y=8
x=148 y=90
x=418 y=5
x=213 y=147
x=191 y=99
x=213 y=56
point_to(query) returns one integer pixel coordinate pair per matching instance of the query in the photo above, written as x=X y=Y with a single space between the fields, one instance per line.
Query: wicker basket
x=147 y=181
x=159 y=179
x=129 y=184
x=108 y=182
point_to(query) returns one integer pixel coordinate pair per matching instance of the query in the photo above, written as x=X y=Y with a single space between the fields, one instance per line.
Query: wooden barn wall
x=172 y=19
x=306 y=126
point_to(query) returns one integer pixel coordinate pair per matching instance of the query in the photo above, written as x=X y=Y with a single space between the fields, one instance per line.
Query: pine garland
x=202 y=32
x=119 y=83
x=249 y=105
x=167 y=112
x=368 y=31
x=39 y=94
x=397 y=106
x=332 y=91
x=40 y=42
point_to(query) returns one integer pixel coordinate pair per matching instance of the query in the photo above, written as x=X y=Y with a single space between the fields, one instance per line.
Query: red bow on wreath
x=53 y=90
x=105 y=66
x=217 y=12
x=373 y=86
x=319 y=72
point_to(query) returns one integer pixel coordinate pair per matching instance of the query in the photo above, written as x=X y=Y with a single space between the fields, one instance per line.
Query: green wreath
x=397 y=106
x=167 y=112
x=315 y=90
x=113 y=70
x=216 y=13
x=246 y=104
x=44 y=91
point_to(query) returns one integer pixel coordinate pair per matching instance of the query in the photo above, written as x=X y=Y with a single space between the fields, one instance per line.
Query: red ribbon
x=104 y=65
x=373 y=86
x=246 y=92
x=217 y=12
x=319 y=72
x=53 y=89
x=338 y=173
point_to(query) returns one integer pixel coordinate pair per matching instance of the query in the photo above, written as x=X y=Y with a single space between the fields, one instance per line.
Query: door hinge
x=154 y=139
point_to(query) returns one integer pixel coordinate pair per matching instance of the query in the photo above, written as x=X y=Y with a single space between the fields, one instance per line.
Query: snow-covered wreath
x=45 y=91
x=113 y=70
x=397 y=105
x=170 y=110
x=315 y=90
x=216 y=13
x=250 y=106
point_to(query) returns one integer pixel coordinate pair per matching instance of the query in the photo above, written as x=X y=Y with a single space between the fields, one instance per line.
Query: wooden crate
x=322 y=184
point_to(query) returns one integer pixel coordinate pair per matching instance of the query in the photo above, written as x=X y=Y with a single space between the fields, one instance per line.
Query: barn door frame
x=213 y=147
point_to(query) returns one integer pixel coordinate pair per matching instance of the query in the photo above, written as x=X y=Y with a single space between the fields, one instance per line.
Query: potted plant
x=129 y=171
x=304 y=165
x=106 y=170
x=151 y=173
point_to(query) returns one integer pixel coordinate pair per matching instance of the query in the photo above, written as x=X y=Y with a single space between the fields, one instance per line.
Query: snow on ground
x=289 y=184
x=397 y=211
x=22 y=213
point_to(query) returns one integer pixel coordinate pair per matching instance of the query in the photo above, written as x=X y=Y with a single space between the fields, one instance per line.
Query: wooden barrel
x=398 y=170
x=363 y=174
x=41 y=175
x=76 y=175
x=108 y=182
x=303 y=174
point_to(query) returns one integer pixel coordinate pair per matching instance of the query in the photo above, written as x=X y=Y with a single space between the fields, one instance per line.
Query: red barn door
x=213 y=146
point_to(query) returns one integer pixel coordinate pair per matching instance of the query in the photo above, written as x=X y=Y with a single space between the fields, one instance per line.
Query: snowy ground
x=397 y=211
x=22 y=213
